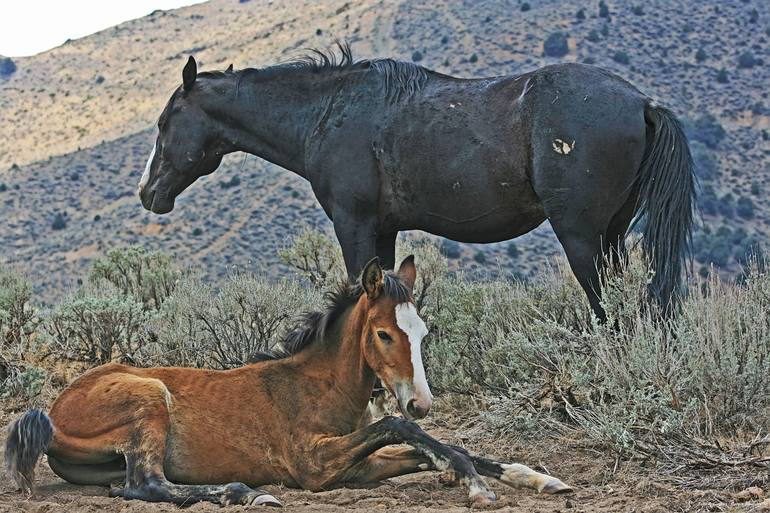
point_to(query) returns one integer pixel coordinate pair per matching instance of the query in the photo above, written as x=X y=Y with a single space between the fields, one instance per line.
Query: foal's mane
x=313 y=326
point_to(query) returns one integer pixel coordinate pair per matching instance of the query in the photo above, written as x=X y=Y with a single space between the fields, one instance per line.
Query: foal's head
x=393 y=335
x=188 y=144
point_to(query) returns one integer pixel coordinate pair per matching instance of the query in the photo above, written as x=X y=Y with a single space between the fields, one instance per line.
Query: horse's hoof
x=482 y=499
x=554 y=486
x=266 y=500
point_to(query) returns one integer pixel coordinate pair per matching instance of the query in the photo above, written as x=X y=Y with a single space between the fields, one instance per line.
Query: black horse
x=390 y=146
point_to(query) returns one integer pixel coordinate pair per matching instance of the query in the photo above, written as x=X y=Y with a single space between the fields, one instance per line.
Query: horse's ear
x=189 y=73
x=371 y=278
x=229 y=68
x=407 y=272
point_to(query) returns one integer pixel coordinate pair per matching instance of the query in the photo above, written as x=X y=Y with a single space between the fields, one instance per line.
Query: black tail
x=667 y=195
x=28 y=438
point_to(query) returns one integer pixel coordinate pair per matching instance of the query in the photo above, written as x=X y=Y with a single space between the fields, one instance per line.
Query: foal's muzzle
x=413 y=404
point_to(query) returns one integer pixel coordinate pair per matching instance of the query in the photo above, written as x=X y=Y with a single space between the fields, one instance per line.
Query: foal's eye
x=384 y=336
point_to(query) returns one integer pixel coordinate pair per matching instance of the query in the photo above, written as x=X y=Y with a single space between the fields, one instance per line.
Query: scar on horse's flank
x=173 y=434
x=563 y=147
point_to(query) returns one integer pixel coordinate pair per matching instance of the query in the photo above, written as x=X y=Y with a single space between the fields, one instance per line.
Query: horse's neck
x=272 y=116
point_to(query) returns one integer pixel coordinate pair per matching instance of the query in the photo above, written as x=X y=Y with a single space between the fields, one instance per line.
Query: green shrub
x=620 y=57
x=745 y=207
x=635 y=385
x=450 y=249
x=706 y=129
x=24 y=385
x=746 y=60
x=316 y=257
x=145 y=276
x=97 y=324
x=513 y=250
x=229 y=184
x=556 y=45
x=722 y=76
x=604 y=11
x=203 y=327
x=59 y=222
x=18 y=318
x=7 y=67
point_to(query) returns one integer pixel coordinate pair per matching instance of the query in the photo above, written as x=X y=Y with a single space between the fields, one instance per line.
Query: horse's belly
x=468 y=209
x=481 y=224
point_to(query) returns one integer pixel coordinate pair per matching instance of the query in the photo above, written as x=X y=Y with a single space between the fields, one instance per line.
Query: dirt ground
x=600 y=487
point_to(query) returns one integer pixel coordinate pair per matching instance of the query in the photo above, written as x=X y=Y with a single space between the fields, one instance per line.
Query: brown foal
x=183 y=435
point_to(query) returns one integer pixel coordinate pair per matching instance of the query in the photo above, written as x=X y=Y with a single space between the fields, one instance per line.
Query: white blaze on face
x=415 y=329
x=146 y=174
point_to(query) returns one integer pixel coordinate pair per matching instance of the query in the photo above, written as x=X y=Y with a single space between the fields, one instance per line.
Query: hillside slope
x=77 y=121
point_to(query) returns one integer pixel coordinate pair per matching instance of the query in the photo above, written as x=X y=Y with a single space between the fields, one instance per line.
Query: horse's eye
x=384 y=336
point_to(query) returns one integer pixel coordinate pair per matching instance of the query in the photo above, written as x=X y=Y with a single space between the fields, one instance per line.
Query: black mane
x=401 y=79
x=313 y=325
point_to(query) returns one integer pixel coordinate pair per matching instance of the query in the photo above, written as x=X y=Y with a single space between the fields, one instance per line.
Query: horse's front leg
x=356 y=457
x=357 y=235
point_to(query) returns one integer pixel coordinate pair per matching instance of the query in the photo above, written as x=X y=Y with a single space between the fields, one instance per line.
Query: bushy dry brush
x=689 y=393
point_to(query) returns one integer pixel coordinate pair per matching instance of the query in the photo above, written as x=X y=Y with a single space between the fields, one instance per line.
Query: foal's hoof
x=554 y=486
x=482 y=499
x=239 y=493
x=266 y=499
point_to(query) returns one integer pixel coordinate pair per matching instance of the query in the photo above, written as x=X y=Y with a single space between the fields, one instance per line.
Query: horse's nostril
x=415 y=409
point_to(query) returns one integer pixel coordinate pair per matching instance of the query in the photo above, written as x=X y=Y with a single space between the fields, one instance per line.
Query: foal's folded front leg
x=516 y=475
x=356 y=448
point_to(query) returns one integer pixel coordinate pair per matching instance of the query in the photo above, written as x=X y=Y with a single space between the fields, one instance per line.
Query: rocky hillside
x=77 y=121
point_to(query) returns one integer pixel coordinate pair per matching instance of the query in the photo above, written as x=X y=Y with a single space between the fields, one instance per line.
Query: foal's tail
x=28 y=438
x=667 y=194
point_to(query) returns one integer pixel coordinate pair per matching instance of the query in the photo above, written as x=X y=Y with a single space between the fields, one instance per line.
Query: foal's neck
x=271 y=113
x=342 y=356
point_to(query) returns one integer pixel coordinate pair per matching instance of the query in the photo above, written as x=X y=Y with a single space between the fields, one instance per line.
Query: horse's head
x=393 y=336
x=188 y=146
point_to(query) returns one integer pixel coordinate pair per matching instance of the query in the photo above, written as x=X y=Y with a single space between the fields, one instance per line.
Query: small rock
x=750 y=493
x=764 y=505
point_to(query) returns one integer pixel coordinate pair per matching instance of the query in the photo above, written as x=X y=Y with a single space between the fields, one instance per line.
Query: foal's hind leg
x=129 y=415
x=145 y=478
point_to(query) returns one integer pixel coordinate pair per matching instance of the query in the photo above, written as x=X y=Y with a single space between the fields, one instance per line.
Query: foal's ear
x=189 y=73
x=407 y=272
x=229 y=68
x=371 y=278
